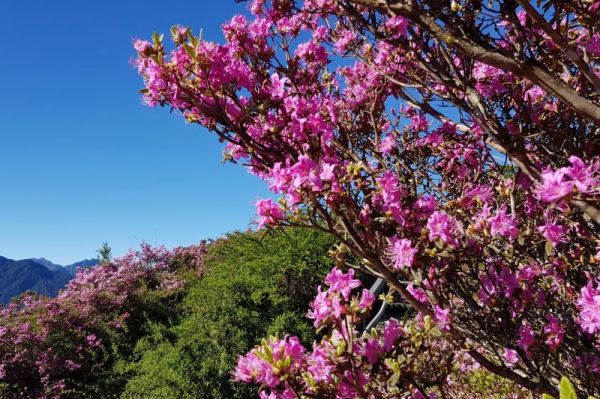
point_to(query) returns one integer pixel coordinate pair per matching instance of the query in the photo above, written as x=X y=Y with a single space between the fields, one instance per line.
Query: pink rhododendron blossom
x=391 y=332
x=526 y=337
x=554 y=186
x=586 y=179
x=366 y=299
x=268 y=211
x=442 y=317
x=402 y=252
x=554 y=233
x=341 y=282
x=554 y=332
x=398 y=25
x=320 y=366
x=325 y=307
x=441 y=225
x=510 y=356
x=589 y=309
x=503 y=224
x=593 y=45
x=371 y=350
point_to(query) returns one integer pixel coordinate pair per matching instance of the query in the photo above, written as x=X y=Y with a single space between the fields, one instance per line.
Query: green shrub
x=253 y=287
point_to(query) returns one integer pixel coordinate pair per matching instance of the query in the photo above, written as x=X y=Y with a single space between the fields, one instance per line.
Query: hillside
x=39 y=275
x=18 y=276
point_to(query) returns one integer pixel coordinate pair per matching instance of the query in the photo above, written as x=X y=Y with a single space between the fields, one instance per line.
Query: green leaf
x=546 y=396
x=566 y=389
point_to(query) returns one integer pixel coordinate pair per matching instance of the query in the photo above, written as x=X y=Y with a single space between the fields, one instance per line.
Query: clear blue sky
x=82 y=160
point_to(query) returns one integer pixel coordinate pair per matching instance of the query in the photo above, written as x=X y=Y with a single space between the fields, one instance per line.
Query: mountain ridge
x=36 y=274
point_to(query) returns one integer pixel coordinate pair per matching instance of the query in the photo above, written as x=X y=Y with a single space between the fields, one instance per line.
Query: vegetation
x=252 y=288
x=162 y=323
x=452 y=146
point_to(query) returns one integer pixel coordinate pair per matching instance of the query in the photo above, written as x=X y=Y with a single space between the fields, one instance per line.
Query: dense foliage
x=252 y=288
x=167 y=322
x=451 y=146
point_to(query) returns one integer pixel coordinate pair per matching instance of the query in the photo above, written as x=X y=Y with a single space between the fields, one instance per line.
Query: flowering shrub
x=451 y=146
x=398 y=359
x=66 y=346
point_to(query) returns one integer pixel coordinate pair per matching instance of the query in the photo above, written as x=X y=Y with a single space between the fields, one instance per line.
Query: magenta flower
x=268 y=211
x=503 y=224
x=554 y=187
x=593 y=46
x=417 y=293
x=325 y=307
x=366 y=299
x=391 y=332
x=442 y=317
x=397 y=25
x=371 y=350
x=510 y=356
x=585 y=178
x=554 y=332
x=526 y=337
x=341 y=282
x=444 y=227
x=555 y=233
x=252 y=368
x=320 y=366
x=589 y=309
x=402 y=253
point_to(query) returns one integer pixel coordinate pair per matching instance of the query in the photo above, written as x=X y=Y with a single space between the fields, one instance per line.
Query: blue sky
x=82 y=160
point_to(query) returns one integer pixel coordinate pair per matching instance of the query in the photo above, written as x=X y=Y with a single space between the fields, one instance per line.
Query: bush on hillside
x=253 y=287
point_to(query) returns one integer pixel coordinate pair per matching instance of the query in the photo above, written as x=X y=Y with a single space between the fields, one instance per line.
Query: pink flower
x=508 y=281
x=320 y=366
x=589 y=309
x=593 y=46
x=417 y=293
x=346 y=38
x=444 y=227
x=371 y=350
x=387 y=144
x=526 y=337
x=554 y=187
x=510 y=356
x=325 y=307
x=402 y=253
x=397 y=25
x=252 y=368
x=584 y=178
x=391 y=332
x=442 y=317
x=554 y=332
x=503 y=225
x=555 y=233
x=366 y=299
x=268 y=211
x=277 y=90
x=341 y=282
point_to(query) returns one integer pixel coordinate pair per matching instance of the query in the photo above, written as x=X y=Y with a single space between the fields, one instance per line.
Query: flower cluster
x=484 y=219
x=346 y=363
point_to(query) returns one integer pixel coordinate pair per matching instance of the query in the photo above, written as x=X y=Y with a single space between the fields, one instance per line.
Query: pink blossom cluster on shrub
x=53 y=346
x=458 y=163
x=344 y=363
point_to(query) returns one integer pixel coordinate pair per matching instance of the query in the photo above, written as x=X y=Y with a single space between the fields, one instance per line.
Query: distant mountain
x=39 y=275
x=47 y=263
x=83 y=264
